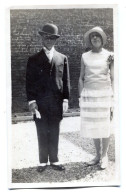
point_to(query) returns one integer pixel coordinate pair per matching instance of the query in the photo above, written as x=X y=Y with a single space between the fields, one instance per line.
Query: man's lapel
x=55 y=57
x=43 y=58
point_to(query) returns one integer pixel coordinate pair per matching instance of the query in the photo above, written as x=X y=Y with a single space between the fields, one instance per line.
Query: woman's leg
x=97 y=143
x=105 y=146
x=104 y=157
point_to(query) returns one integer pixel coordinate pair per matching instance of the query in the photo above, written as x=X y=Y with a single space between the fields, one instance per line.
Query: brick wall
x=25 y=41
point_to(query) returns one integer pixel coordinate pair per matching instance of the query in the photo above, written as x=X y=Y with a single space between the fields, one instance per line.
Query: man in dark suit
x=47 y=87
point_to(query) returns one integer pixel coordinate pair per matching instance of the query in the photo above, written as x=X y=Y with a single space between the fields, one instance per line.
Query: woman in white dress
x=96 y=94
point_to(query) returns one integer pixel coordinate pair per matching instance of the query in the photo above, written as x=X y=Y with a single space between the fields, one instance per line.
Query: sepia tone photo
x=64 y=97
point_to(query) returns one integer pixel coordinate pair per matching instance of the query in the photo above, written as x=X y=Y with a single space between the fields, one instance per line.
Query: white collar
x=49 y=53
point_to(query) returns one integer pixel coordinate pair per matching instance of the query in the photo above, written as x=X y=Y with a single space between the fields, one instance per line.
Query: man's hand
x=65 y=106
x=32 y=107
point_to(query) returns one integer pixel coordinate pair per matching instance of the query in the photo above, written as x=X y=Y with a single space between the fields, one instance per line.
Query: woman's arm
x=81 y=78
x=112 y=74
x=111 y=65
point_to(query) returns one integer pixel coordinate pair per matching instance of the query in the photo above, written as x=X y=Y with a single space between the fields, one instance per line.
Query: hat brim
x=51 y=35
x=87 y=37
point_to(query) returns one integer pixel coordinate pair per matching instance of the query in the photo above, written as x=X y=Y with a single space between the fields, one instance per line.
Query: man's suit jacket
x=45 y=79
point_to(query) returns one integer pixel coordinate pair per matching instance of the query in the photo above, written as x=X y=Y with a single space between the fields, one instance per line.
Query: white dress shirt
x=49 y=53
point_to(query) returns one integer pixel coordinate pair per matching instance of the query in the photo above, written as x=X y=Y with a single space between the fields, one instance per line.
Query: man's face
x=49 y=41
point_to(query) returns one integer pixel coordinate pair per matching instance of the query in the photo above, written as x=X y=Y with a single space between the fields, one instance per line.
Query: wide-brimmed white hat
x=95 y=29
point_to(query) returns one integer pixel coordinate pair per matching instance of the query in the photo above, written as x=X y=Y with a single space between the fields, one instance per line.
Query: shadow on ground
x=74 y=171
x=87 y=144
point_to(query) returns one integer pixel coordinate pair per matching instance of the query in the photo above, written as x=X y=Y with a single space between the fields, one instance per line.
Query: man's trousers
x=48 y=137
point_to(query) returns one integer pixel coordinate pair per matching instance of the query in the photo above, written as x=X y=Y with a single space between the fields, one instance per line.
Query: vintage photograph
x=64 y=97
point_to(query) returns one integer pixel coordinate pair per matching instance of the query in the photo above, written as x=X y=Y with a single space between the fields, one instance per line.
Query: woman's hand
x=111 y=113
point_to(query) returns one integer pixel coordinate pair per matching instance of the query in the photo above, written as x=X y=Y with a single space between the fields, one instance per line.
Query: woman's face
x=96 y=40
x=48 y=41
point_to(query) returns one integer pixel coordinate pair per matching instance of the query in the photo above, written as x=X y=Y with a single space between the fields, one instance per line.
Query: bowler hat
x=50 y=29
x=99 y=31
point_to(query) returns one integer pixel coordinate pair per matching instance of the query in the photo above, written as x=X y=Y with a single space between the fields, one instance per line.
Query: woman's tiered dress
x=96 y=96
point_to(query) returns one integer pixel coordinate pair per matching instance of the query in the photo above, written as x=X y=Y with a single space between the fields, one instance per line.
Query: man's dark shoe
x=58 y=167
x=40 y=169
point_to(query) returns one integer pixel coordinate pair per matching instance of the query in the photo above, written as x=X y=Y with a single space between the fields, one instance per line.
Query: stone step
x=20 y=117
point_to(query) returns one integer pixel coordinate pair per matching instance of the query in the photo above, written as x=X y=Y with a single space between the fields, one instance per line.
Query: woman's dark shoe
x=40 y=169
x=95 y=161
x=58 y=167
